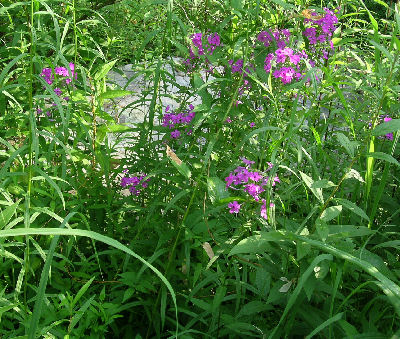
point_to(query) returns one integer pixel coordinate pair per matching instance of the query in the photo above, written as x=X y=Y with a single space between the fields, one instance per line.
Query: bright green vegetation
x=269 y=210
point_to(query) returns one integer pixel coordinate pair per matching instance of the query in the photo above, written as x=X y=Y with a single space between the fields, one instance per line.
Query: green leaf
x=348 y=231
x=183 y=169
x=387 y=127
x=324 y=183
x=331 y=213
x=322 y=229
x=201 y=88
x=111 y=94
x=383 y=156
x=325 y=324
x=95 y=236
x=285 y=5
x=302 y=281
x=81 y=292
x=348 y=145
x=79 y=314
x=103 y=71
x=309 y=182
x=253 y=307
x=7 y=214
x=382 y=49
x=256 y=243
x=51 y=182
x=353 y=207
x=216 y=189
x=382 y=3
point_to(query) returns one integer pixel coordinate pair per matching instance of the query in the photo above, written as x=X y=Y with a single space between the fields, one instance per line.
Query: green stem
x=30 y=156
x=75 y=35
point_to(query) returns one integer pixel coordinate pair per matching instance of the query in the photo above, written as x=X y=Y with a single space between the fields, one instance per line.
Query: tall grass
x=184 y=253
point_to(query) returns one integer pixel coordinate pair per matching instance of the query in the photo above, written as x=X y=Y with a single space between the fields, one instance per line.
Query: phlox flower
x=214 y=39
x=254 y=190
x=234 y=207
x=133 y=182
x=175 y=134
x=388 y=136
x=57 y=91
x=47 y=75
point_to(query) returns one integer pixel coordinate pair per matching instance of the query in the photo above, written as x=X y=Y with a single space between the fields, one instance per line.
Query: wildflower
x=134 y=182
x=214 y=40
x=234 y=207
x=247 y=162
x=57 y=91
x=61 y=71
x=175 y=134
x=254 y=190
x=252 y=124
x=263 y=211
x=388 y=136
x=47 y=75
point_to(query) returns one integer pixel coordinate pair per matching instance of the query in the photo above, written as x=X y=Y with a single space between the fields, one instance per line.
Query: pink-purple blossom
x=134 y=183
x=234 y=207
x=252 y=182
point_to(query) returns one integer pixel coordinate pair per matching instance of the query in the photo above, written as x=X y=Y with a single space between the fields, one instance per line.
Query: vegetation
x=264 y=204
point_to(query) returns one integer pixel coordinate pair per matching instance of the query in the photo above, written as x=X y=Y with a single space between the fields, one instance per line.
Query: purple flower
x=247 y=162
x=265 y=37
x=134 y=182
x=175 y=134
x=214 y=39
x=388 y=136
x=234 y=207
x=255 y=176
x=47 y=75
x=263 y=211
x=58 y=91
x=61 y=71
x=252 y=124
x=254 y=190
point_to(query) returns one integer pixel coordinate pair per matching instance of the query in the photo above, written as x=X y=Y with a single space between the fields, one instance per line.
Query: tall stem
x=30 y=156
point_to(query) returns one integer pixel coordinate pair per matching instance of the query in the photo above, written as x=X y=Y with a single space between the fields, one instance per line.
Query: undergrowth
x=263 y=201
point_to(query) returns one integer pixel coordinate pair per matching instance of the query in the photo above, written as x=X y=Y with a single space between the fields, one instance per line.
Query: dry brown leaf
x=208 y=249
x=173 y=156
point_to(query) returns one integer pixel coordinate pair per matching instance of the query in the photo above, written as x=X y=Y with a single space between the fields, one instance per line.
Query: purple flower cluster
x=177 y=120
x=290 y=65
x=250 y=181
x=237 y=67
x=134 y=183
x=280 y=37
x=319 y=32
x=202 y=45
x=292 y=68
x=48 y=75
x=60 y=77
x=286 y=60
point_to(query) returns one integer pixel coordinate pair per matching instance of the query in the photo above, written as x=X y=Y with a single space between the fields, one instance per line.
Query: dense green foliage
x=152 y=229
